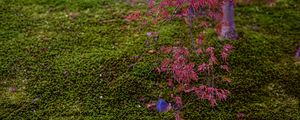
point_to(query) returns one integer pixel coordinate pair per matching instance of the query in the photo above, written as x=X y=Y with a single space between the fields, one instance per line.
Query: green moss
x=76 y=60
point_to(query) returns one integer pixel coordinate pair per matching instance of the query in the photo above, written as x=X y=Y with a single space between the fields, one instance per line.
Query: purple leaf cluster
x=183 y=73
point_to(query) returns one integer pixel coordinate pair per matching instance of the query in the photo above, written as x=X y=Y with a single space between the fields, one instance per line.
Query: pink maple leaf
x=202 y=67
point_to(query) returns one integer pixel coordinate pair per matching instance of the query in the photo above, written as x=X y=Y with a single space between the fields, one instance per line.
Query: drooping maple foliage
x=221 y=11
x=184 y=76
x=135 y=15
x=183 y=72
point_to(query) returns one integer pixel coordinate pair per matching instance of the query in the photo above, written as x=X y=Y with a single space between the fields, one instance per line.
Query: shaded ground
x=74 y=59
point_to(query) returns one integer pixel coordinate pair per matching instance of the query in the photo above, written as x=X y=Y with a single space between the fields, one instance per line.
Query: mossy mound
x=81 y=60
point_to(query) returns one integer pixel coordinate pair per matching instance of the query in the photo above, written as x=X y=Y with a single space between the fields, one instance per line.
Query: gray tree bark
x=228 y=30
x=297 y=55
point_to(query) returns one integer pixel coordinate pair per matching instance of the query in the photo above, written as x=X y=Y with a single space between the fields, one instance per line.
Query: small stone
x=142 y=99
x=240 y=115
x=13 y=89
x=160 y=86
x=146 y=42
x=151 y=105
x=152 y=51
x=149 y=34
x=136 y=58
x=255 y=27
x=73 y=15
x=163 y=106
x=38 y=97
x=156 y=38
x=178 y=43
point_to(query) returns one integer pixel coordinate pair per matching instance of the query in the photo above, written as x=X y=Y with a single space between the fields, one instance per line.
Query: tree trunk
x=228 y=26
x=297 y=55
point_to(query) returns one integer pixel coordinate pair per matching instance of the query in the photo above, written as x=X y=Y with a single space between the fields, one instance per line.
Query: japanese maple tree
x=183 y=74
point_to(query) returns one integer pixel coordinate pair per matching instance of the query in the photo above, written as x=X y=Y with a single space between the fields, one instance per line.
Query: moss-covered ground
x=79 y=59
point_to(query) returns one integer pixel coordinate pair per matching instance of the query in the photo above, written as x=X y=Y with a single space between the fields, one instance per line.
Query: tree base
x=230 y=34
